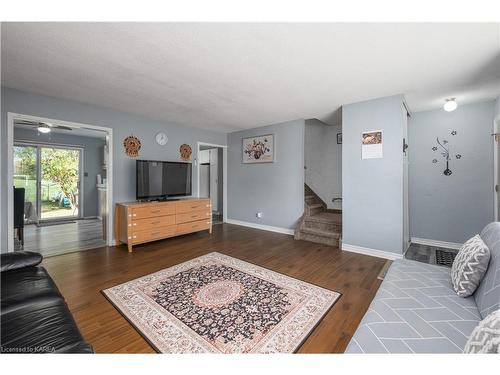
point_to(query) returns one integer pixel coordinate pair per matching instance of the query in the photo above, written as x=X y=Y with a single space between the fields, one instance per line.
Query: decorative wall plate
x=132 y=146
x=186 y=152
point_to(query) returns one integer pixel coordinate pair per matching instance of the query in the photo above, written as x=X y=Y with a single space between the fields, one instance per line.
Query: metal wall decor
x=443 y=146
x=132 y=146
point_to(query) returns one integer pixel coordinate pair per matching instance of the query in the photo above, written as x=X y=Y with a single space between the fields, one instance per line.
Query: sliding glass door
x=51 y=176
x=25 y=176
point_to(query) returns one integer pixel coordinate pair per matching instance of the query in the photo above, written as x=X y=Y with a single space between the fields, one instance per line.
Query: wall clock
x=161 y=139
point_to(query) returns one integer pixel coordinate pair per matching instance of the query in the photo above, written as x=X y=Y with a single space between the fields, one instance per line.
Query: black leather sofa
x=34 y=316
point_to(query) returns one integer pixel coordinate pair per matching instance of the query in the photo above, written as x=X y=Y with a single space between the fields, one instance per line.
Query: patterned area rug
x=219 y=304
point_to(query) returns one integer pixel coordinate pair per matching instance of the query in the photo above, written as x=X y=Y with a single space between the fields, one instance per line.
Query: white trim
x=371 y=252
x=436 y=243
x=10 y=169
x=10 y=180
x=224 y=177
x=261 y=226
x=496 y=129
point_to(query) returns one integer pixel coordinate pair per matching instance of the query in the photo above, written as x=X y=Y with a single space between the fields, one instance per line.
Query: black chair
x=19 y=213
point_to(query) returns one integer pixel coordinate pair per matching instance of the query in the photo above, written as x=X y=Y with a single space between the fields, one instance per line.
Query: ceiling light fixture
x=44 y=128
x=450 y=105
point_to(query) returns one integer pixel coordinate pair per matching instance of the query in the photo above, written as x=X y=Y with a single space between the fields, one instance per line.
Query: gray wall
x=323 y=161
x=275 y=189
x=92 y=160
x=497 y=108
x=123 y=125
x=451 y=208
x=373 y=188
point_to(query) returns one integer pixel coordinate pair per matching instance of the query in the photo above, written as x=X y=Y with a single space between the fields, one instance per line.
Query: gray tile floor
x=424 y=253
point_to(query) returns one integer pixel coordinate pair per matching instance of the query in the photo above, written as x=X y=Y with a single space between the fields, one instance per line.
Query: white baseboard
x=371 y=252
x=446 y=245
x=261 y=226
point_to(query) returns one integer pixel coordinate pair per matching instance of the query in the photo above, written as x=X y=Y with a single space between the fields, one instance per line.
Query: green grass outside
x=48 y=193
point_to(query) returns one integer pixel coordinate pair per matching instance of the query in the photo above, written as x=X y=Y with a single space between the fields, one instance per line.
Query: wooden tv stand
x=138 y=222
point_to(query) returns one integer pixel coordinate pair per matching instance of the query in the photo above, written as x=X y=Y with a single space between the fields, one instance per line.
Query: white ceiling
x=226 y=77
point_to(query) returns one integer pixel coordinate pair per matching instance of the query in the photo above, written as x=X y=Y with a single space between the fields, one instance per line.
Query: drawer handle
x=194 y=226
x=194 y=216
x=155 y=233
x=193 y=207
x=155 y=211
x=155 y=222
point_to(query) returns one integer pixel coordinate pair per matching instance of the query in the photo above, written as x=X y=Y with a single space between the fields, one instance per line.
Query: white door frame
x=224 y=177
x=496 y=130
x=10 y=169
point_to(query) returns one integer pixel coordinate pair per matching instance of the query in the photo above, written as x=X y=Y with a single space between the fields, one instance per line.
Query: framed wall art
x=258 y=149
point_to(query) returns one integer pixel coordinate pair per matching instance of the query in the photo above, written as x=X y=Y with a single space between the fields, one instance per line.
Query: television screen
x=162 y=179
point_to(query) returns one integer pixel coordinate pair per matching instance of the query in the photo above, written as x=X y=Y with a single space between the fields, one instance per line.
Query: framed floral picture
x=258 y=149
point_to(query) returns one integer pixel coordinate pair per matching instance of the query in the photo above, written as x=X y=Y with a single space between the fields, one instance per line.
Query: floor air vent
x=445 y=258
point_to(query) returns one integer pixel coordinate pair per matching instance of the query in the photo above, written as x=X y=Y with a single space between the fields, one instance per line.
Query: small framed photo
x=258 y=149
x=339 y=138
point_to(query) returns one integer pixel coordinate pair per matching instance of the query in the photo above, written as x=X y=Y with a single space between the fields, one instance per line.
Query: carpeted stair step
x=319 y=236
x=315 y=208
x=326 y=221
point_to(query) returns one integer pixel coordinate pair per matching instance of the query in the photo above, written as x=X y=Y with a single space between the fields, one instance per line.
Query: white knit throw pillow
x=469 y=266
x=485 y=338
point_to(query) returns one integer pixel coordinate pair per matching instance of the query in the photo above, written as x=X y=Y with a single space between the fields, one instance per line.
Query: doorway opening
x=61 y=175
x=212 y=166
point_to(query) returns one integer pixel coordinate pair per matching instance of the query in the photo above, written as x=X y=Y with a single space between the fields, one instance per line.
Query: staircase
x=317 y=224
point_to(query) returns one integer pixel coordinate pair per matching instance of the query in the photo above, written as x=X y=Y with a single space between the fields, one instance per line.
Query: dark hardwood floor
x=81 y=276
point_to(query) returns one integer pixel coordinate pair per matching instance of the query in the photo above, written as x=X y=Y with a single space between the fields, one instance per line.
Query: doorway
x=61 y=176
x=51 y=178
x=211 y=173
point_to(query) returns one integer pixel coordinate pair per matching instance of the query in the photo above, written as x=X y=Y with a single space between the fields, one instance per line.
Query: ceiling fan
x=42 y=127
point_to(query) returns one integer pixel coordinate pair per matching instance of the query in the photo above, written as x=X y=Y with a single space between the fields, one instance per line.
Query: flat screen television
x=162 y=179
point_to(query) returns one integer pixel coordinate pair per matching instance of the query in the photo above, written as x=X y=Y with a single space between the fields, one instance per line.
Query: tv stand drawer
x=193 y=216
x=152 y=223
x=189 y=206
x=193 y=226
x=153 y=210
x=153 y=234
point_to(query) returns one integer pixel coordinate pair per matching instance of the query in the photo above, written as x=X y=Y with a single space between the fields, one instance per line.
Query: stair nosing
x=315 y=205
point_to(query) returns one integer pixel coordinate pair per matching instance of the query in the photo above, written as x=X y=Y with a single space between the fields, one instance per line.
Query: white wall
x=275 y=189
x=372 y=212
x=451 y=208
x=323 y=161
